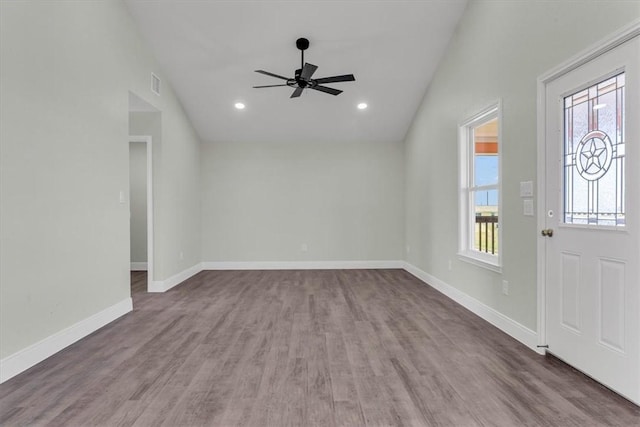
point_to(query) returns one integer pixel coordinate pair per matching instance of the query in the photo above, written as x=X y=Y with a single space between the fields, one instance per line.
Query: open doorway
x=141 y=211
x=144 y=129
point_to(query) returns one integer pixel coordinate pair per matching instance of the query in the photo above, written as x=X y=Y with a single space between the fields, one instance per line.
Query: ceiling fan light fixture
x=362 y=106
x=239 y=106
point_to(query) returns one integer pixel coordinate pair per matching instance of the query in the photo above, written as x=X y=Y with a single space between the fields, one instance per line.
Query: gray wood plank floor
x=304 y=348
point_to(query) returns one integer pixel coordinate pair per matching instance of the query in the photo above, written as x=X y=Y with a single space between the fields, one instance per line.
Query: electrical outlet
x=505 y=287
x=304 y=247
x=181 y=255
x=450 y=265
x=408 y=249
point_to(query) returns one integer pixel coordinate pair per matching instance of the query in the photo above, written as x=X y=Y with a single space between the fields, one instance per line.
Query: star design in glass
x=591 y=156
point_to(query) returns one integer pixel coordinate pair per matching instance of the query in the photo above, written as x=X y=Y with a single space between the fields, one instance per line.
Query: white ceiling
x=210 y=49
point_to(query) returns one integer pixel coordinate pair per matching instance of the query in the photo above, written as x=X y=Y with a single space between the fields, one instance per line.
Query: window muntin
x=480 y=188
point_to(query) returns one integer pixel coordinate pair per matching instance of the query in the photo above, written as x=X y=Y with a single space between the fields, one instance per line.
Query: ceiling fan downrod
x=302 y=44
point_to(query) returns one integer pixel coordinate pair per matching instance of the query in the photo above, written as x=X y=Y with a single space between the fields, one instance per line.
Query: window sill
x=490 y=262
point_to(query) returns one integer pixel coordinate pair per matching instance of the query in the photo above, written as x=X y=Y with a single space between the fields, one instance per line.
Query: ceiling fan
x=303 y=80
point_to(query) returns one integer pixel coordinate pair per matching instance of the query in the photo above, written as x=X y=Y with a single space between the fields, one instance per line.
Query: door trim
x=603 y=46
x=148 y=142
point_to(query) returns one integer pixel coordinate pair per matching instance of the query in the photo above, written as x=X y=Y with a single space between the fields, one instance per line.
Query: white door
x=592 y=282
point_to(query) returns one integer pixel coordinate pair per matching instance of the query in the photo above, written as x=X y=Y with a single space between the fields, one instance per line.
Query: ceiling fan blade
x=307 y=71
x=271 y=74
x=257 y=87
x=336 y=79
x=325 y=89
x=296 y=93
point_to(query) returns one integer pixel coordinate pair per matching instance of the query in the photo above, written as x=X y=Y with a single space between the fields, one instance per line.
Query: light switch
x=526 y=189
x=527 y=207
x=123 y=200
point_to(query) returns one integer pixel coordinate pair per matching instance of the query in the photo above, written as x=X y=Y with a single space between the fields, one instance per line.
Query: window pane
x=594 y=155
x=485 y=153
x=485 y=237
x=486 y=170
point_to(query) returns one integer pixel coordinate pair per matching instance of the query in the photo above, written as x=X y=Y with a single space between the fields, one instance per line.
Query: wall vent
x=155 y=84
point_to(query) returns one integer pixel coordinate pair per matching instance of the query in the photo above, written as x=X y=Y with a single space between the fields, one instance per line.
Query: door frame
x=147 y=140
x=605 y=45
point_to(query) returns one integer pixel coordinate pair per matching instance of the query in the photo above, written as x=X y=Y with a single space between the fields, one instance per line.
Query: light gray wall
x=498 y=51
x=138 y=200
x=176 y=196
x=261 y=202
x=66 y=70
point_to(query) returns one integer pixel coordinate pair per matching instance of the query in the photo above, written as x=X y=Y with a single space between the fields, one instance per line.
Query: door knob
x=547 y=232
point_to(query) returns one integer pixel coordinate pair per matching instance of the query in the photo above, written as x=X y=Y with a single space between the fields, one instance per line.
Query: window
x=594 y=155
x=480 y=189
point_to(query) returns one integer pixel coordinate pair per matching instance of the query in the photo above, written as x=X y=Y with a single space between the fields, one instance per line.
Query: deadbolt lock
x=547 y=232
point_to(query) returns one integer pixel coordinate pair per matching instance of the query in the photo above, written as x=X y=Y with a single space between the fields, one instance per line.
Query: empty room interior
x=328 y=213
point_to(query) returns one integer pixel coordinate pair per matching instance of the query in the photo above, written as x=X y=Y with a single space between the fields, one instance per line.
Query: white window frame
x=466 y=229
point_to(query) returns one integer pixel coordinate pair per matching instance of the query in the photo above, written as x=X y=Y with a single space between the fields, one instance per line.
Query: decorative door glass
x=594 y=154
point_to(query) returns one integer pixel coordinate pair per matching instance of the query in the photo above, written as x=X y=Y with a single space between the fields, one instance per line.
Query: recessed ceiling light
x=599 y=106
x=362 y=106
x=239 y=105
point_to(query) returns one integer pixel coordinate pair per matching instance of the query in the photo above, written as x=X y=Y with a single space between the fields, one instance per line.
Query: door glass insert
x=594 y=154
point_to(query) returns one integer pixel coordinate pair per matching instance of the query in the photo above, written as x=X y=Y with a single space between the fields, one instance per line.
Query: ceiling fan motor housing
x=301 y=82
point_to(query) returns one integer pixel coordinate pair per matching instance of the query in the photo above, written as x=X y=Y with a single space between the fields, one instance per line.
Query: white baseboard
x=507 y=325
x=138 y=266
x=165 y=285
x=301 y=265
x=24 y=359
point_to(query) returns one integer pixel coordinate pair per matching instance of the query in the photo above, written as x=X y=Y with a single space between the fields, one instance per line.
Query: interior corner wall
x=498 y=51
x=263 y=202
x=66 y=70
x=138 y=201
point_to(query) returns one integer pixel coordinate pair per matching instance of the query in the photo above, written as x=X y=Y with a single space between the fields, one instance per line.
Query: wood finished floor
x=304 y=348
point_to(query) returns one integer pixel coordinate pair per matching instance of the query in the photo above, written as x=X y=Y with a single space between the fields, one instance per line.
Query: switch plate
x=527 y=207
x=122 y=198
x=526 y=189
x=505 y=287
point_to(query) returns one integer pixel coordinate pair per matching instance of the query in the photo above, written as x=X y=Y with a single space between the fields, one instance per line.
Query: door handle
x=547 y=232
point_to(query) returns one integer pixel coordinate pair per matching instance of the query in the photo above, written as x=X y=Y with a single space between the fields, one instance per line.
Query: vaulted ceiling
x=210 y=49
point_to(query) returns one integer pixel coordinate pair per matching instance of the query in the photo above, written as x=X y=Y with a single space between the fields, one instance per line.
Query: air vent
x=155 y=84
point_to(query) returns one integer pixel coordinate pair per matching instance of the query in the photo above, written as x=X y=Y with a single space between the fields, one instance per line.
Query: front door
x=592 y=144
